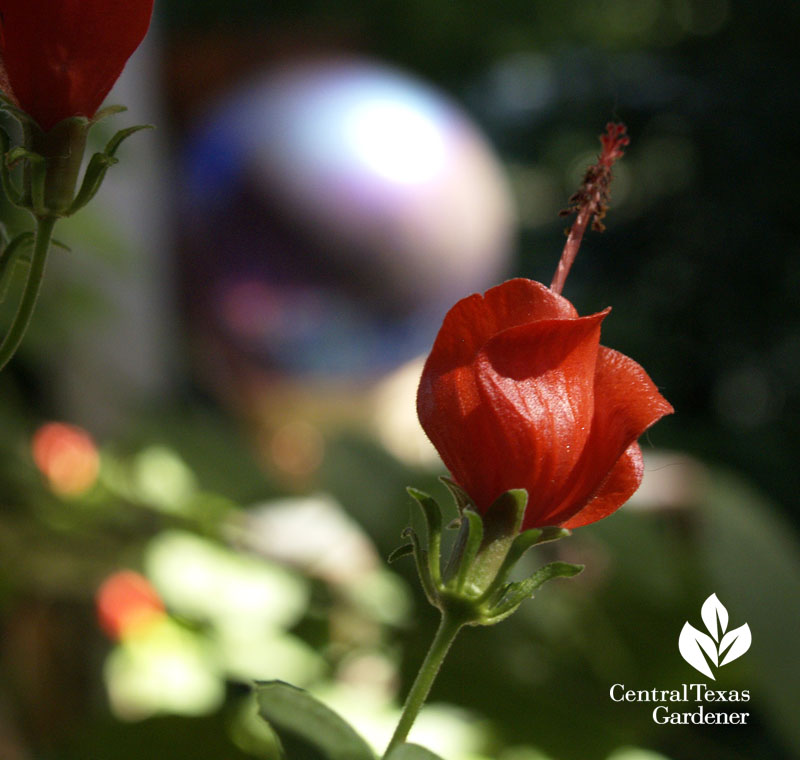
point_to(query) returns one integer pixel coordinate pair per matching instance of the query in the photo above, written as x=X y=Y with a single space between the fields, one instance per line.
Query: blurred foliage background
x=207 y=435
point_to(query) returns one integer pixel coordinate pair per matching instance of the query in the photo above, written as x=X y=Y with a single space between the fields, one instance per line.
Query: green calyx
x=48 y=166
x=474 y=586
x=51 y=163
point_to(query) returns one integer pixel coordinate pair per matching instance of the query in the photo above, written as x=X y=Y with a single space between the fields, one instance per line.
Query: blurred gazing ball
x=332 y=212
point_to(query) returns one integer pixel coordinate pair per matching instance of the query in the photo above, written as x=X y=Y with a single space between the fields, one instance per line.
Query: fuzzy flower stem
x=570 y=249
x=448 y=630
x=44 y=231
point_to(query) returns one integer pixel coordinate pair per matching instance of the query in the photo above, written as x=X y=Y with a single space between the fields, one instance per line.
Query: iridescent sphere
x=333 y=210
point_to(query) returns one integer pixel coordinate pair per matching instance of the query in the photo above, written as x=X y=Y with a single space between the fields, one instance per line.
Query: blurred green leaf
x=294 y=712
x=411 y=752
x=753 y=558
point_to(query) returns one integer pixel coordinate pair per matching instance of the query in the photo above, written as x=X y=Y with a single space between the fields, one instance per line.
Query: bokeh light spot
x=168 y=670
x=297 y=448
x=67 y=456
x=127 y=604
x=395 y=140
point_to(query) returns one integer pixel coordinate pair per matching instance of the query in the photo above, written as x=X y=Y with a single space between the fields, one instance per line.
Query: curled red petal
x=475 y=319
x=448 y=399
x=619 y=486
x=63 y=56
x=538 y=382
x=518 y=416
x=626 y=404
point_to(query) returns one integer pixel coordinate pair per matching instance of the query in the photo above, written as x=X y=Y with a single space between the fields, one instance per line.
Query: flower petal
x=63 y=56
x=475 y=319
x=448 y=398
x=619 y=486
x=626 y=404
x=519 y=416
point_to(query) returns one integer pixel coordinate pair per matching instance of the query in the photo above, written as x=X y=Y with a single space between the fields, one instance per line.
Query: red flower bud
x=518 y=393
x=61 y=57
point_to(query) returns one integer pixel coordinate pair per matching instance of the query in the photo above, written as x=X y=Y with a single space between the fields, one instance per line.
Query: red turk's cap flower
x=61 y=57
x=518 y=393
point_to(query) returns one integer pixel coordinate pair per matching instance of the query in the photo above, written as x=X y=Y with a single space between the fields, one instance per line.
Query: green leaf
x=411 y=752
x=294 y=712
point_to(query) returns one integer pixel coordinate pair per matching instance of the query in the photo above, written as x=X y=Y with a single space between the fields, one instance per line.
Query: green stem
x=41 y=245
x=448 y=630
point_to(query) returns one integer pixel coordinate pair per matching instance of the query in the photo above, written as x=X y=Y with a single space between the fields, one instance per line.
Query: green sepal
x=553 y=533
x=98 y=166
x=294 y=714
x=433 y=523
x=8 y=105
x=516 y=593
x=104 y=113
x=430 y=509
x=92 y=179
x=460 y=496
x=475 y=590
x=113 y=144
x=521 y=544
x=468 y=543
x=38 y=176
x=524 y=541
x=501 y=526
x=13 y=193
x=400 y=552
x=411 y=752
x=13 y=252
x=423 y=566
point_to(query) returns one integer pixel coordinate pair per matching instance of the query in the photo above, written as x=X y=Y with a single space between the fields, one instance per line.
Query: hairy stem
x=570 y=249
x=41 y=245
x=448 y=630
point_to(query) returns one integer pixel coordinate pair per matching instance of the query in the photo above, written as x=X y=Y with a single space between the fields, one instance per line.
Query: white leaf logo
x=739 y=640
x=699 y=649
x=711 y=612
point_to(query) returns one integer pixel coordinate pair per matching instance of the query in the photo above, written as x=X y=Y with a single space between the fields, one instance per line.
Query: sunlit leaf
x=294 y=712
x=411 y=752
